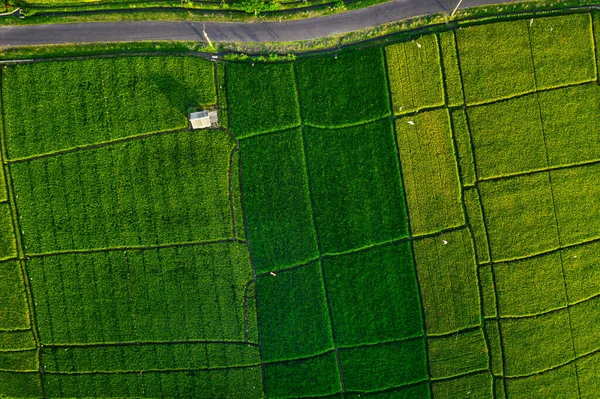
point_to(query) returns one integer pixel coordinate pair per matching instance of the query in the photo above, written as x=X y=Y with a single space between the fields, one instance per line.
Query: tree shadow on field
x=179 y=95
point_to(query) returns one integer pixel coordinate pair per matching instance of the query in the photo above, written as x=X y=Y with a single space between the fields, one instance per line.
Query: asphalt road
x=305 y=29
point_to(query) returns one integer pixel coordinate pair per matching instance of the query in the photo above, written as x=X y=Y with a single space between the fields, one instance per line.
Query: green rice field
x=418 y=220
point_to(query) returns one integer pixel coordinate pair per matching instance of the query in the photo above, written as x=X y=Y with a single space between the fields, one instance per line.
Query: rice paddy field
x=420 y=220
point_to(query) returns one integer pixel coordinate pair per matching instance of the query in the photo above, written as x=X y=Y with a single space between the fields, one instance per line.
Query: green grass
x=588 y=370
x=50 y=106
x=452 y=76
x=341 y=90
x=488 y=291
x=292 y=314
x=3 y=191
x=262 y=98
x=538 y=343
x=373 y=295
x=276 y=200
x=584 y=317
x=571 y=120
x=122 y=295
x=356 y=186
x=448 y=279
x=508 y=137
x=384 y=366
x=415 y=75
x=577 y=209
x=13 y=303
x=558 y=383
x=493 y=334
x=164 y=189
x=477 y=224
x=19 y=361
x=464 y=151
x=471 y=386
x=457 y=354
x=21 y=385
x=15 y=340
x=495 y=60
x=8 y=246
x=315 y=376
x=419 y=390
x=563 y=50
x=530 y=286
x=519 y=215
x=582 y=276
x=430 y=172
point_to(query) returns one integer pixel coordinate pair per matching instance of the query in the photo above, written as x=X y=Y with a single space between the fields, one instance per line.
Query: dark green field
x=420 y=220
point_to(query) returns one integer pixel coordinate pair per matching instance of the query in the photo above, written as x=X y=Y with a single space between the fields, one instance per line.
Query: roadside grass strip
x=415 y=74
x=563 y=50
x=14 y=313
x=343 y=90
x=276 y=201
x=519 y=215
x=262 y=98
x=373 y=295
x=495 y=61
x=582 y=275
x=477 y=224
x=576 y=193
x=508 y=137
x=457 y=354
x=8 y=245
x=292 y=314
x=163 y=189
x=571 y=119
x=235 y=383
x=464 y=150
x=356 y=186
x=383 y=366
x=558 y=383
x=470 y=386
x=51 y=106
x=20 y=385
x=312 y=377
x=448 y=278
x=122 y=296
x=530 y=286
x=451 y=70
x=535 y=344
x=430 y=172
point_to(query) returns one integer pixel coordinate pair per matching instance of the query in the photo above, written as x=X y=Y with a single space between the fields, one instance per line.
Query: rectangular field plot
x=493 y=336
x=519 y=214
x=588 y=370
x=563 y=50
x=16 y=340
x=582 y=274
x=457 y=354
x=51 y=106
x=356 y=187
x=234 y=383
x=164 y=189
x=576 y=193
x=419 y=390
x=383 y=366
x=3 y=192
x=448 y=279
x=571 y=119
x=14 y=313
x=488 y=291
x=415 y=74
x=558 y=383
x=464 y=150
x=146 y=295
x=276 y=200
x=147 y=357
x=452 y=77
x=495 y=60
x=262 y=98
x=477 y=224
x=347 y=89
x=585 y=319
x=8 y=245
x=530 y=286
x=316 y=376
x=293 y=317
x=373 y=295
x=19 y=361
x=471 y=386
x=535 y=344
x=508 y=137
x=20 y=385
x=430 y=172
